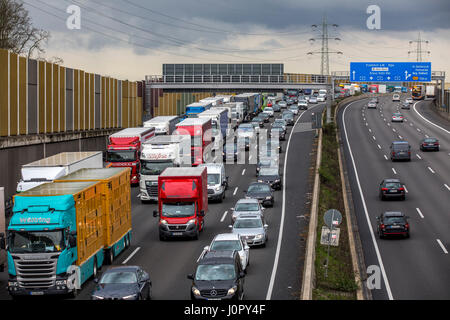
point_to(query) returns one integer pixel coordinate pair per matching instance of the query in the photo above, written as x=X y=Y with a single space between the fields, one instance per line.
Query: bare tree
x=17 y=32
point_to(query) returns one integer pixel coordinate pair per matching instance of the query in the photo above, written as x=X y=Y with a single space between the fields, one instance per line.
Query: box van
x=217 y=181
x=400 y=150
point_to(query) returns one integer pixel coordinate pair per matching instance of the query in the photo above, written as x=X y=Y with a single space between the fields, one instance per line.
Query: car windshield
x=178 y=210
x=268 y=172
x=36 y=241
x=391 y=185
x=154 y=168
x=259 y=188
x=248 y=127
x=247 y=223
x=215 y=272
x=121 y=156
x=400 y=146
x=213 y=179
x=246 y=207
x=118 y=277
x=430 y=140
x=287 y=116
x=394 y=219
x=226 y=245
x=268 y=109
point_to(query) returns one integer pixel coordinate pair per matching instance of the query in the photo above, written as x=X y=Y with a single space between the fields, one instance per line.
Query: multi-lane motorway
x=275 y=271
x=418 y=267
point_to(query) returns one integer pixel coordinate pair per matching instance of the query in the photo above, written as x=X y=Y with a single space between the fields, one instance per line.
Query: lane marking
x=374 y=138
x=426 y=136
x=235 y=190
x=131 y=255
x=420 y=213
x=442 y=246
x=419 y=157
x=224 y=215
x=243 y=172
x=414 y=107
x=418 y=129
x=400 y=137
x=370 y=130
x=385 y=157
x=448 y=188
x=432 y=171
x=395 y=172
x=379 y=147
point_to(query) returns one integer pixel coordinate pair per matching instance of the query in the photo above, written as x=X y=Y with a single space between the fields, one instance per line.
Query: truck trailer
x=183 y=202
x=57 y=166
x=200 y=131
x=164 y=125
x=194 y=109
x=125 y=147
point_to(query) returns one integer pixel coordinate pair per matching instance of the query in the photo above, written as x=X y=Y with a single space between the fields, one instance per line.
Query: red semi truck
x=200 y=130
x=124 y=149
x=182 y=202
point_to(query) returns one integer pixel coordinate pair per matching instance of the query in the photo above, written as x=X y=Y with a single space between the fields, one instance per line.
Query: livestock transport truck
x=55 y=238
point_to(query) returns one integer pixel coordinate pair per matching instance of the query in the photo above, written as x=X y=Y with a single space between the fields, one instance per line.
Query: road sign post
x=332 y=218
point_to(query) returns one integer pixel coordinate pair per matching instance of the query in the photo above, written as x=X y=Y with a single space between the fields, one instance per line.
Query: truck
x=159 y=153
x=164 y=125
x=115 y=193
x=183 y=202
x=219 y=124
x=226 y=97
x=373 y=88
x=237 y=113
x=382 y=88
x=418 y=92
x=2 y=230
x=193 y=109
x=216 y=101
x=200 y=131
x=430 y=92
x=124 y=149
x=252 y=104
x=56 y=166
x=55 y=238
x=217 y=181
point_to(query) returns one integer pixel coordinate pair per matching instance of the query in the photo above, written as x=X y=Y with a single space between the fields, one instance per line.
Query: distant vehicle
x=400 y=150
x=406 y=105
x=289 y=117
x=246 y=131
x=264 y=116
x=230 y=151
x=392 y=188
x=230 y=242
x=219 y=275
x=200 y=130
x=217 y=180
x=313 y=100
x=252 y=229
x=294 y=109
x=372 y=105
x=303 y=105
x=429 y=144
x=123 y=283
x=280 y=122
x=418 y=92
x=276 y=107
x=262 y=192
x=397 y=117
x=265 y=162
x=321 y=98
x=278 y=130
x=392 y=223
x=271 y=176
x=194 y=109
x=269 y=111
x=396 y=97
x=164 y=125
x=246 y=206
x=289 y=102
x=257 y=123
x=409 y=100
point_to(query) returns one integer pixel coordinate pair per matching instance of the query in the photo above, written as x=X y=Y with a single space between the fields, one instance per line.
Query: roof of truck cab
x=62 y=159
x=193 y=121
x=58 y=188
x=131 y=132
x=199 y=104
x=176 y=171
x=166 y=139
x=94 y=174
x=212 y=167
x=161 y=118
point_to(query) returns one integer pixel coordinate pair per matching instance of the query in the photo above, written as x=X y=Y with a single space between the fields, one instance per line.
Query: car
x=289 y=102
x=266 y=150
x=307 y=98
x=392 y=188
x=283 y=104
x=227 y=242
x=289 y=117
x=409 y=100
x=246 y=130
x=232 y=153
x=400 y=150
x=246 y=206
x=264 y=116
x=269 y=111
x=271 y=176
x=257 y=122
x=313 y=100
x=218 y=276
x=123 y=283
x=321 y=98
x=276 y=107
x=265 y=162
x=396 y=97
x=280 y=122
x=278 y=130
x=294 y=109
x=392 y=223
x=429 y=144
x=406 y=105
x=252 y=228
x=303 y=105
x=372 y=105
x=262 y=192
x=397 y=117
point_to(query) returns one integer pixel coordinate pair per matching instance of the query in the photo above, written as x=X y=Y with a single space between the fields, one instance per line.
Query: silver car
x=246 y=206
x=294 y=109
x=397 y=117
x=283 y=104
x=313 y=100
x=252 y=229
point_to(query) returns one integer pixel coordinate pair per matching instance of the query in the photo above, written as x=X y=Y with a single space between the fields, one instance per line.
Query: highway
x=414 y=268
x=275 y=271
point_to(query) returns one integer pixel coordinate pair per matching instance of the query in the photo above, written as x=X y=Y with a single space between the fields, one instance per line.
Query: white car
x=313 y=100
x=397 y=117
x=321 y=99
x=303 y=105
x=282 y=104
x=230 y=241
x=371 y=105
x=396 y=97
x=409 y=100
x=269 y=111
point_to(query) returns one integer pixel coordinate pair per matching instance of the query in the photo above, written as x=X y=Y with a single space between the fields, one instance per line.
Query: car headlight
x=13 y=284
x=217 y=188
x=130 y=297
x=277 y=180
x=259 y=237
x=260 y=181
x=232 y=291
x=61 y=282
x=195 y=291
x=192 y=221
x=162 y=221
x=97 y=297
x=268 y=198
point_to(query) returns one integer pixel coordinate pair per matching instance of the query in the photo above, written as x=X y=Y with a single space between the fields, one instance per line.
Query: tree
x=17 y=32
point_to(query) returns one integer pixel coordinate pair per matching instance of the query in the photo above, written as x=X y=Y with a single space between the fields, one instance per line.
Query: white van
x=217 y=181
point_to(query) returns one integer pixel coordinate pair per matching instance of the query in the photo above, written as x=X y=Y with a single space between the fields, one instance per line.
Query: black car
x=392 y=188
x=265 y=162
x=278 y=130
x=429 y=144
x=400 y=150
x=123 y=283
x=261 y=191
x=219 y=276
x=289 y=117
x=264 y=116
x=392 y=223
x=271 y=176
x=276 y=107
x=259 y=121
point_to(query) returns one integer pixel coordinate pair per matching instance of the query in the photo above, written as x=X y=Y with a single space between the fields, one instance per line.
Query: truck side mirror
x=155 y=213
x=190 y=276
x=72 y=240
x=202 y=213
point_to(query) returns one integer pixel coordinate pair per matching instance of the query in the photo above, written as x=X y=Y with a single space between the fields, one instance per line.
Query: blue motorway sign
x=390 y=71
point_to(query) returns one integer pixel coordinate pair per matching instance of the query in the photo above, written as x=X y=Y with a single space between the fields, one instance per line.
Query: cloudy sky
x=129 y=39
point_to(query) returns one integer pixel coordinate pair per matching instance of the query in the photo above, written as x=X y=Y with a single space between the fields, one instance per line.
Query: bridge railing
x=241 y=79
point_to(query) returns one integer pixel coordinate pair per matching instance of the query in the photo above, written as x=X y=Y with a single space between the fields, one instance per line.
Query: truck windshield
x=213 y=179
x=121 y=156
x=36 y=241
x=154 y=168
x=178 y=210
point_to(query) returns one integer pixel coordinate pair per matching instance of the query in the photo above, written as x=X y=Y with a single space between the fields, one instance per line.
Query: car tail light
x=384 y=189
x=393 y=153
x=382 y=226
x=401 y=189
x=436 y=143
x=407 y=226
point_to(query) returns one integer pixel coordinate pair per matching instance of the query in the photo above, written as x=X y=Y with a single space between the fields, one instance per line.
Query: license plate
x=393 y=191
x=395 y=227
x=177 y=233
x=37 y=293
x=430 y=144
x=214 y=299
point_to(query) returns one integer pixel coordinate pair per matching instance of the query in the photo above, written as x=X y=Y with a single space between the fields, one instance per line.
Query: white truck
x=226 y=97
x=216 y=101
x=381 y=88
x=219 y=123
x=237 y=114
x=217 y=181
x=57 y=166
x=159 y=153
x=430 y=92
x=164 y=125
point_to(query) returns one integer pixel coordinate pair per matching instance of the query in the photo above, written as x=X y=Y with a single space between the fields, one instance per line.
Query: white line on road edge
x=224 y=215
x=235 y=190
x=377 y=251
x=283 y=212
x=447 y=187
x=395 y=172
x=414 y=107
x=442 y=246
x=131 y=255
x=420 y=213
x=432 y=171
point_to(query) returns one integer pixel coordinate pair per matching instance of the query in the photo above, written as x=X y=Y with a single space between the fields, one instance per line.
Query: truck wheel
x=2 y=268
x=197 y=233
x=110 y=256
x=94 y=269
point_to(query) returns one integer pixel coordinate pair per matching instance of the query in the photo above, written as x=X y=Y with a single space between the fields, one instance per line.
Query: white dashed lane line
x=224 y=216
x=442 y=246
x=235 y=190
x=432 y=171
x=420 y=213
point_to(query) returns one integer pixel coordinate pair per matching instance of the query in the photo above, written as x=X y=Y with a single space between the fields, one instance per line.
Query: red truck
x=182 y=202
x=200 y=130
x=124 y=149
